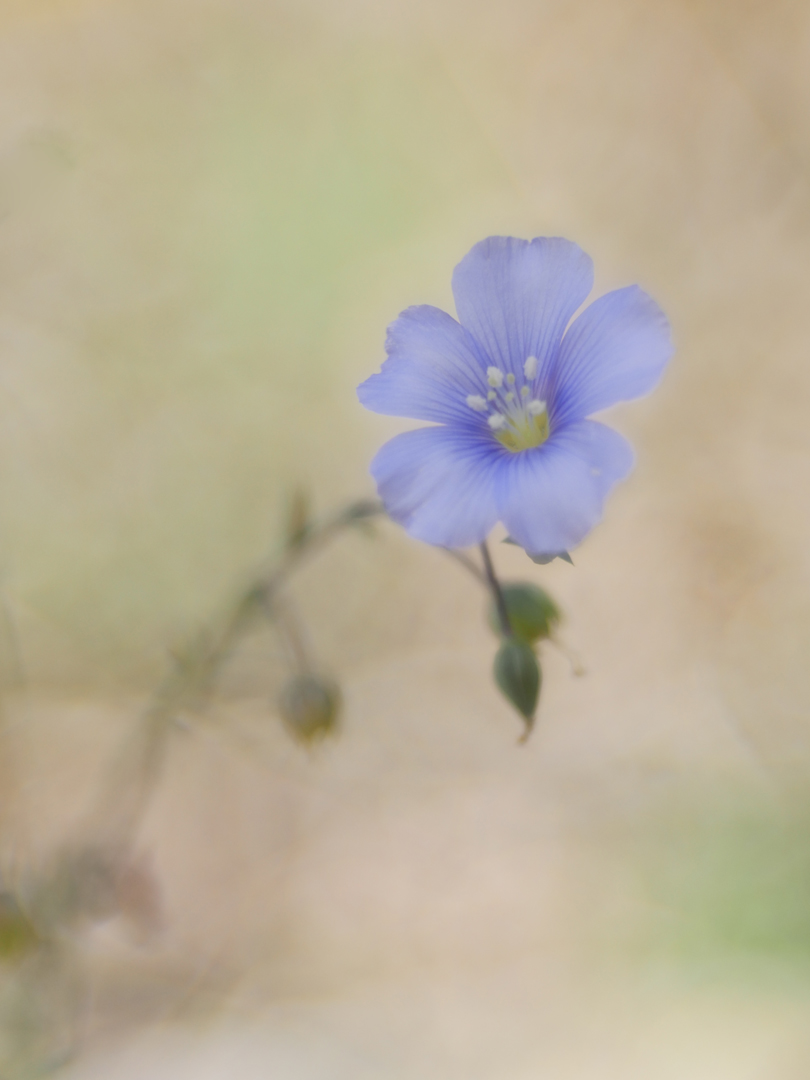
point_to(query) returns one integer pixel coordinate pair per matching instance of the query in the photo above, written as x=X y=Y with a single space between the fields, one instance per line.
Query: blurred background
x=209 y=212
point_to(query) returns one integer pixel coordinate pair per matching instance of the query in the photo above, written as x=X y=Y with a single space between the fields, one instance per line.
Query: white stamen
x=510 y=378
x=475 y=401
x=496 y=421
x=535 y=407
x=524 y=391
x=491 y=395
x=530 y=367
x=510 y=396
x=494 y=377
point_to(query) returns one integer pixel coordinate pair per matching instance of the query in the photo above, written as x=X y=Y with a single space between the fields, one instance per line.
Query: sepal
x=539 y=558
x=533 y=615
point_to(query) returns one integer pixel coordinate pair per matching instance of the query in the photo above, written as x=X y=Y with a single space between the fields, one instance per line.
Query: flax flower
x=508 y=389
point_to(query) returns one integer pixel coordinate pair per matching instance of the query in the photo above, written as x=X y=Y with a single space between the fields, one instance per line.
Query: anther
x=535 y=407
x=510 y=396
x=475 y=401
x=524 y=391
x=491 y=395
x=530 y=367
x=510 y=378
x=494 y=377
x=496 y=421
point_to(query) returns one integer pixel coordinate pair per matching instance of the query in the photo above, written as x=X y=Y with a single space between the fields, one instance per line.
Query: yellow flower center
x=523 y=430
x=517 y=417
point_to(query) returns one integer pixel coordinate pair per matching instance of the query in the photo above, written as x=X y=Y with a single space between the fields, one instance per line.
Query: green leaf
x=517 y=674
x=532 y=613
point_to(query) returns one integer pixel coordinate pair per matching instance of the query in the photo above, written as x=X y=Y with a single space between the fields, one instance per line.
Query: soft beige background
x=209 y=211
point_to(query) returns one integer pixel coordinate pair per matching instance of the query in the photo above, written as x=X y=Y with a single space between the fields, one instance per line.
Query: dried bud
x=17 y=935
x=532 y=613
x=309 y=705
x=517 y=674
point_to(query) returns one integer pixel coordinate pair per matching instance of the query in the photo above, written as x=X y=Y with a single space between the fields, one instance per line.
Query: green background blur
x=209 y=212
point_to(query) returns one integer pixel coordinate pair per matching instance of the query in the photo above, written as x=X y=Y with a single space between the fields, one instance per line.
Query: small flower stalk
x=532 y=617
x=521 y=614
x=509 y=389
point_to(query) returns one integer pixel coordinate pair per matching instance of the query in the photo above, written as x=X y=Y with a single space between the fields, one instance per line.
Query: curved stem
x=133 y=777
x=497 y=591
x=281 y=611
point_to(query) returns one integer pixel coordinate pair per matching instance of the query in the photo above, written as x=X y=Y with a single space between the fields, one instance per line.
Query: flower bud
x=17 y=936
x=309 y=705
x=532 y=613
x=517 y=674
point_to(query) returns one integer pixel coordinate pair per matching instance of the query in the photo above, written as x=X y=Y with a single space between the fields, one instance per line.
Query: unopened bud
x=517 y=674
x=532 y=613
x=17 y=935
x=309 y=706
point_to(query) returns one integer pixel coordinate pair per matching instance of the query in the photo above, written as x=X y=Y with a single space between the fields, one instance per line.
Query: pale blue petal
x=614 y=351
x=440 y=484
x=516 y=297
x=433 y=365
x=550 y=498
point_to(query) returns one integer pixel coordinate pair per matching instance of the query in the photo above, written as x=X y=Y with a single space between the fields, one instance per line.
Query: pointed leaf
x=517 y=675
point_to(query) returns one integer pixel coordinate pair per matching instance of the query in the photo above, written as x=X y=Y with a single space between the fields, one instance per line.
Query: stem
x=311 y=541
x=282 y=612
x=497 y=592
x=133 y=777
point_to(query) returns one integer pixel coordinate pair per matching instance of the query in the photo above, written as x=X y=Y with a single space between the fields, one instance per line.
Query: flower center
x=517 y=417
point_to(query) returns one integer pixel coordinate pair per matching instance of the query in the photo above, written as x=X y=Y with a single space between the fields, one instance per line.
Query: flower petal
x=615 y=350
x=550 y=498
x=433 y=365
x=517 y=296
x=440 y=484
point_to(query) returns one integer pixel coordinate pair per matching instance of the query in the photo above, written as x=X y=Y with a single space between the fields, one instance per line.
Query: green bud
x=309 y=706
x=532 y=613
x=517 y=674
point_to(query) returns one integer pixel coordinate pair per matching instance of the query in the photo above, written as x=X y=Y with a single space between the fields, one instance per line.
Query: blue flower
x=509 y=389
